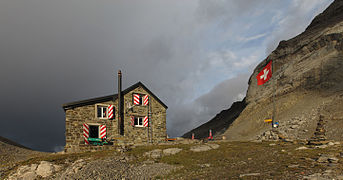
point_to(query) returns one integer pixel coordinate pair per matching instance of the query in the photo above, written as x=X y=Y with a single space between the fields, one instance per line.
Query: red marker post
x=210 y=137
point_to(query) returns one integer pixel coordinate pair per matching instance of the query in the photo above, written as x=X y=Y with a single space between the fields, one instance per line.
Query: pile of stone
x=270 y=135
x=299 y=127
x=319 y=135
x=295 y=127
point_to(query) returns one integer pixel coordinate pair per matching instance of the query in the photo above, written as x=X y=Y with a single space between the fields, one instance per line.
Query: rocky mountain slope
x=10 y=142
x=12 y=152
x=308 y=77
x=219 y=123
x=309 y=85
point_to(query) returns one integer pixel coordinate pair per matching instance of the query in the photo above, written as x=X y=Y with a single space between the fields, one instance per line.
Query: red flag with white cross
x=265 y=74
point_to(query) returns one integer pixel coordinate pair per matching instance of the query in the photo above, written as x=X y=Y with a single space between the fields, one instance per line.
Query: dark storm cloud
x=53 y=52
x=206 y=106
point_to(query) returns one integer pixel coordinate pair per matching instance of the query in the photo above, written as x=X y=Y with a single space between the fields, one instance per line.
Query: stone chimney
x=120 y=106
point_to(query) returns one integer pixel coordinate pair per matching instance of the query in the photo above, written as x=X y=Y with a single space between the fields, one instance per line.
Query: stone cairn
x=319 y=135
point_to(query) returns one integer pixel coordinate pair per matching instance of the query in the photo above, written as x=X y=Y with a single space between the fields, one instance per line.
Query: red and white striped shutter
x=110 y=111
x=132 y=121
x=102 y=131
x=136 y=99
x=86 y=133
x=146 y=100
x=146 y=121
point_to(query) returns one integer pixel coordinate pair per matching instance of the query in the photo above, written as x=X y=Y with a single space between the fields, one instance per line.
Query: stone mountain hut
x=134 y=115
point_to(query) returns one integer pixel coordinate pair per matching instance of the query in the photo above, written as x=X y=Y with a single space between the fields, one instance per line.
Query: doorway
x=93 y=131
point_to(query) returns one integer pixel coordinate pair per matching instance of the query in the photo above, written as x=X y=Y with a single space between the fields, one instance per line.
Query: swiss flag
x=265 y=74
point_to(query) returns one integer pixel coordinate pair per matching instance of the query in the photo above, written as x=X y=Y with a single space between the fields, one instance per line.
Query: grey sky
x=195 y=55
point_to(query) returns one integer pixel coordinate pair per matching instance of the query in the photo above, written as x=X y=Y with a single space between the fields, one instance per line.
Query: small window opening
x=102 y=111
x=139 y=121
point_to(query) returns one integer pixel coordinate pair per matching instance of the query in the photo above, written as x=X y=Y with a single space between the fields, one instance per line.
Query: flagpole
x=274 y=89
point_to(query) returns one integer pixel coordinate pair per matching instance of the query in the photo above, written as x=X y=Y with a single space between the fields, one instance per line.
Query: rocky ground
x=11 y=154
x=191 y=160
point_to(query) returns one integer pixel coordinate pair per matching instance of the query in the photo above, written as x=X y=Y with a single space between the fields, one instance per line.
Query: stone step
x=320 y=126
x=317 y=139
x=320 y=137
x=318 y=142
x=320 y=130
x=318 y=133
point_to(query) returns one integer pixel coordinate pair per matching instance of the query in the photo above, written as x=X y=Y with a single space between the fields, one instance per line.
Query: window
x=140 y=99
x=101 y=111
x=138 y=121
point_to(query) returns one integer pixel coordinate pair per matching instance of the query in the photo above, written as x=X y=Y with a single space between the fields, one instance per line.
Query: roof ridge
x=109 y=98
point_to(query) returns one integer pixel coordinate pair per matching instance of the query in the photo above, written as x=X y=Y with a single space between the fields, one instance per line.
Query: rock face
x=308 y=82
x=45 y=169
x=308 y=76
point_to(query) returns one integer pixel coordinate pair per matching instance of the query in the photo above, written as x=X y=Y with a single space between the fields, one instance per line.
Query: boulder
x=333 y=160
x=29 y=175
x=171 y=151
x=25 y=172
x=45 y=169
x=301 y=148
x=155 y=154
x=213 y=145
x=200 y=148
x=322 y=159
x=23 y=169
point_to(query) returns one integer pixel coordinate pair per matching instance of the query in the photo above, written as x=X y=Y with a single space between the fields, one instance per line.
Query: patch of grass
x=229 y=161
x=236 y=158
x=138 y=152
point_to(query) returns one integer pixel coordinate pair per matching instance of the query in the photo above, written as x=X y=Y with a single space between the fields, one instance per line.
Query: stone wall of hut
x=77 y=117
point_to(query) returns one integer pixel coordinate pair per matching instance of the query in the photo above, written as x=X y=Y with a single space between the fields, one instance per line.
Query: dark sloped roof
x=110 y=98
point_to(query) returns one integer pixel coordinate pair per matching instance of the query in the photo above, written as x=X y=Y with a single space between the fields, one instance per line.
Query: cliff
x=309 y=84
